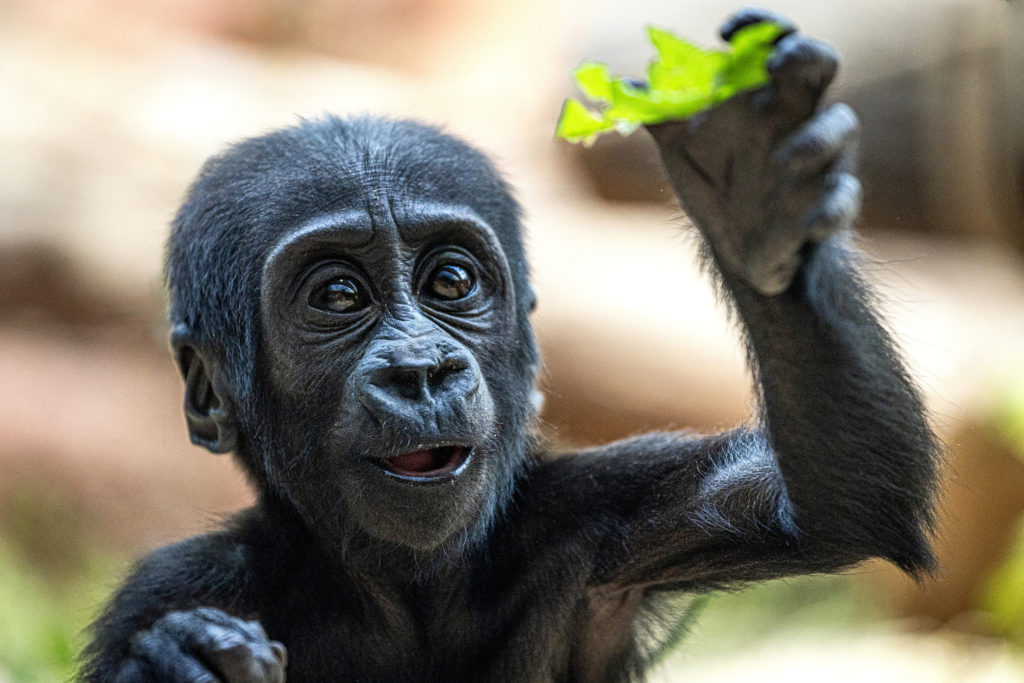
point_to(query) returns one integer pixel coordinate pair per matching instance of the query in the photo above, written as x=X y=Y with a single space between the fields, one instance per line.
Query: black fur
x=525 y=566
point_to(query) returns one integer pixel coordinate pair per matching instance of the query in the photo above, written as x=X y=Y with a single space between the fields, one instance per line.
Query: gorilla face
x=350 y=305
x=384 y=327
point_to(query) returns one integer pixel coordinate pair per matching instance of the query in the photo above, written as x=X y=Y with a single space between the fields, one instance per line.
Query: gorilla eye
x=450 y=282
x=338 y=296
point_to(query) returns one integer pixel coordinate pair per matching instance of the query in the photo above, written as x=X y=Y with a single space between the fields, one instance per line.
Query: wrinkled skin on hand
x=204 y=645
x=768 y=172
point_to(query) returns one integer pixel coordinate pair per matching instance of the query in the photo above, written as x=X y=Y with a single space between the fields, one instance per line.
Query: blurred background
x=108 y=107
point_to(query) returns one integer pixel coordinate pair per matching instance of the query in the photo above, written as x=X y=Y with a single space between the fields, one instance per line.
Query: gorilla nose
x=417 y=380
x=417 y=383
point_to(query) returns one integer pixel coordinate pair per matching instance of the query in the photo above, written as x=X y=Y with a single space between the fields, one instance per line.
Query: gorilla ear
x=209 y=409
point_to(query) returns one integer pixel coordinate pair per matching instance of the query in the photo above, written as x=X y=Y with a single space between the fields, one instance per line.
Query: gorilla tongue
x=432 y=462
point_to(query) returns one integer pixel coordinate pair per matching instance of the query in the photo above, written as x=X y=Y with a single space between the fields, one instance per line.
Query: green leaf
x=684 y=79
x=594 y=80
x=632 y=104
x=681 y=65
x=746 y=66
x=578 y=124
x=753 y=37
x=743 y=72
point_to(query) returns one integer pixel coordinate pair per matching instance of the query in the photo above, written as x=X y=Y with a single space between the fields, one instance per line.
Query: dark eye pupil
x=340 y=296
x=451 y=282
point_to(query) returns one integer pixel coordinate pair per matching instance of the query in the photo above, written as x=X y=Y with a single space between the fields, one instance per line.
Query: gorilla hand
x=767 y=173
x=204 y=645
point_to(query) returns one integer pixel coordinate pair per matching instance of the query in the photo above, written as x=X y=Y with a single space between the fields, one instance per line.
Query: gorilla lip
x=429 y=463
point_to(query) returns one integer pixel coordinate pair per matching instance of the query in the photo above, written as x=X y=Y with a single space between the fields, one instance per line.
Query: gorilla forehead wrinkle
x=402 y=221
x=370 y=164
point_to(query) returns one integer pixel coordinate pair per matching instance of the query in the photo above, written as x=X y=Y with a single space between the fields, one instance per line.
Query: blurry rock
x=40 y=282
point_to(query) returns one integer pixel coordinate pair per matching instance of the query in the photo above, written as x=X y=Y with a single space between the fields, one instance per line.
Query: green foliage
x=1003 y=597
x=1003 y=601
x=684 y=79
x=1008 y=416
x=42 y=618
x=798 y=609
x=786 y=608
x=52 y=579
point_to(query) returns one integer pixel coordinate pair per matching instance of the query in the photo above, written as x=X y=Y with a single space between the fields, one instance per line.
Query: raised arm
x=840 y=463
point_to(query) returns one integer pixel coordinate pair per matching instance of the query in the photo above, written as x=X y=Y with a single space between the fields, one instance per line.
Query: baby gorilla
x=350 y=311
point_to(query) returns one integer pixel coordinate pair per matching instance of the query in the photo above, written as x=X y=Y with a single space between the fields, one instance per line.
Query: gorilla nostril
x=408 y=383
x=437 y=374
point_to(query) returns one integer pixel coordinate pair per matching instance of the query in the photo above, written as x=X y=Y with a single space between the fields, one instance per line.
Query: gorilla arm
x=840 y=465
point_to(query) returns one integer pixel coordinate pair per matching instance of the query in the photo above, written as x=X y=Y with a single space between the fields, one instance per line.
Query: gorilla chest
x=511 y=636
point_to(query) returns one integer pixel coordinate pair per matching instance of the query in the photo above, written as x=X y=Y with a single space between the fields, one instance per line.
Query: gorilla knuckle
x=837 y=209
x=821 y=143
x=843 y=117
x=804 y=60
x=211 y=614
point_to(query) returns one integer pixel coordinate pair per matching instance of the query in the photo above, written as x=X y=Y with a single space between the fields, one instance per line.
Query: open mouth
x=429 y=463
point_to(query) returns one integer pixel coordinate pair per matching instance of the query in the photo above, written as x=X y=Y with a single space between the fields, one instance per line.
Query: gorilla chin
x=422 y=509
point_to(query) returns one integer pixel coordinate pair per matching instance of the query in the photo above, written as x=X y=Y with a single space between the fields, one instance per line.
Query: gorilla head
x=349 y=307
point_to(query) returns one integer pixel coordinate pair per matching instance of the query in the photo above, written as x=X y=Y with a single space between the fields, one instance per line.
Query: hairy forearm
x=844 y=420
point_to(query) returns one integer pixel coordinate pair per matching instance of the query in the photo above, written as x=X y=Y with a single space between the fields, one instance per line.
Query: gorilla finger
x=246 y=663
x=253 y=630
x=820 y=143
x=801 y=60
x=165 y=659
x=837 y=209
x=197 y=626
x=239 y=650
x=748 y=16
x=801 y=68
x=214 y=615
x=280 y=653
